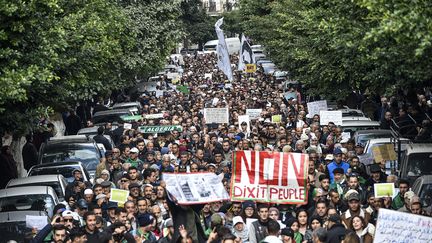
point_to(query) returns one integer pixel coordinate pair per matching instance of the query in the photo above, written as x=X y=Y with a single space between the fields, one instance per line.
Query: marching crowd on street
x=340 y=207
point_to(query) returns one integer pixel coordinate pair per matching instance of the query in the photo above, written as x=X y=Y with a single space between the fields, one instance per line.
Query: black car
x=71 y=148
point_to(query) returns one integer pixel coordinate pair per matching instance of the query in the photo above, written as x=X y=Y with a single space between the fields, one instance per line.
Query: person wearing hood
x=240 y=230
x=105 y=176
x=364 y=231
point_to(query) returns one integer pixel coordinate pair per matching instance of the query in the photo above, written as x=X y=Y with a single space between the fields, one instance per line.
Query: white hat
x=105 y=172
x=88 y=191
x=329 y=157
x=237 y=219
x=344 y=150
x=345 y=140
x=67 y=213
x=134 y=150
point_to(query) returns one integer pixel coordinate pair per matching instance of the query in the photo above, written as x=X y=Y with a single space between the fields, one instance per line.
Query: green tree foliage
x=336 y=46
x=198 y=26
x=56 y=52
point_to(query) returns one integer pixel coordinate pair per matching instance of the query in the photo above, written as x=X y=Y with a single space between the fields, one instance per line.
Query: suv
x=110 y=116
x=71 y=148
x=416 y=161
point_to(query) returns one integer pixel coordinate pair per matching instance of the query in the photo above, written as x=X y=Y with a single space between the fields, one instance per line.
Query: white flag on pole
x=246 y=55
x=222 y=52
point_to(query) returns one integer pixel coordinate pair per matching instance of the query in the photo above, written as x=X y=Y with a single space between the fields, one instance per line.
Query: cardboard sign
x=159 y=129
x=384 y=190
x=216 y=115
x=276 y=118
x=154 y=116
x=253 y=113
x=395 y=226
x=271 y=177
x=196 y=188
x=38 y=222
x=127 y=126
x=330 y=116
x=119 y=196
x=250 y=68
x=315 y=107
x=384 y=152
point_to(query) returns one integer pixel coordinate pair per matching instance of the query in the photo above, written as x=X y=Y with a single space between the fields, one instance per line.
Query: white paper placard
x=216 y=115
x=330 y=116
x=253 y=113
x=395 y=226
x=38 y=222
x=315 y=107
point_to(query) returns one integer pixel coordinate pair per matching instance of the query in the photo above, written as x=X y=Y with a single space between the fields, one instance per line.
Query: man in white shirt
x=273 y=229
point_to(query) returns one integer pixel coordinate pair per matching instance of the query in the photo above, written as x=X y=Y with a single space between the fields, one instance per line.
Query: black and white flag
x=246 y=56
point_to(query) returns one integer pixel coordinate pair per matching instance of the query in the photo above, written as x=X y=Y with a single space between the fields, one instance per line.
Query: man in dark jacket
x=72 y=123
x=336 y=230
x=99 y=138
x=258 y=229
x=29 y=153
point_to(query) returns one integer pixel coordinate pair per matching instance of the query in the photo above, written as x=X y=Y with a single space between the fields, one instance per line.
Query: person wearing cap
x=336 y=230
x=337 y=163
x=287 y=235
x=133 y=159
x=70 y=219
x=168 y=231
x=145 y=227
x=354 y=209
x=88 y=195
x=376 y=177
x=416 y=207
x=239 y=229
x=211 y=168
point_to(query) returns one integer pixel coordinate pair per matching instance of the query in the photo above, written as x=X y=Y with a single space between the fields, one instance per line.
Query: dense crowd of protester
x=341 y=205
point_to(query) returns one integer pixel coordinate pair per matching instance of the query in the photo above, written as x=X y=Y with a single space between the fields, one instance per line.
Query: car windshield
x=34 y=202
x=419 y=164
x=54 y=184
x=14 y=231
x=87 y=154
x=66 y=171
x=365 y=137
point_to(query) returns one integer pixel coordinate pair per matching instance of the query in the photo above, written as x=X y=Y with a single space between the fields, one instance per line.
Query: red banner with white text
x=271 y=177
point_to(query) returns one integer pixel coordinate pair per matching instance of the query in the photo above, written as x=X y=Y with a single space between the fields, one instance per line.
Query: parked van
x=233 y=45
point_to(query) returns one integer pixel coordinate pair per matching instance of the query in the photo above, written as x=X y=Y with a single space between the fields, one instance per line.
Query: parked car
x=60 y=168
x=423 y=188
x=356 y=125
x=33 y=198
x=362 y=136
x=57 y=182
x=416 y=161
x=13 y=225
x=71 y=148
x=133 y=106
x=102 y=117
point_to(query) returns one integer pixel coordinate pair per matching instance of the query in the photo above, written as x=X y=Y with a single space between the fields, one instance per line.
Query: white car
x=13 y=225
x=33 y=198
x=57 y=182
